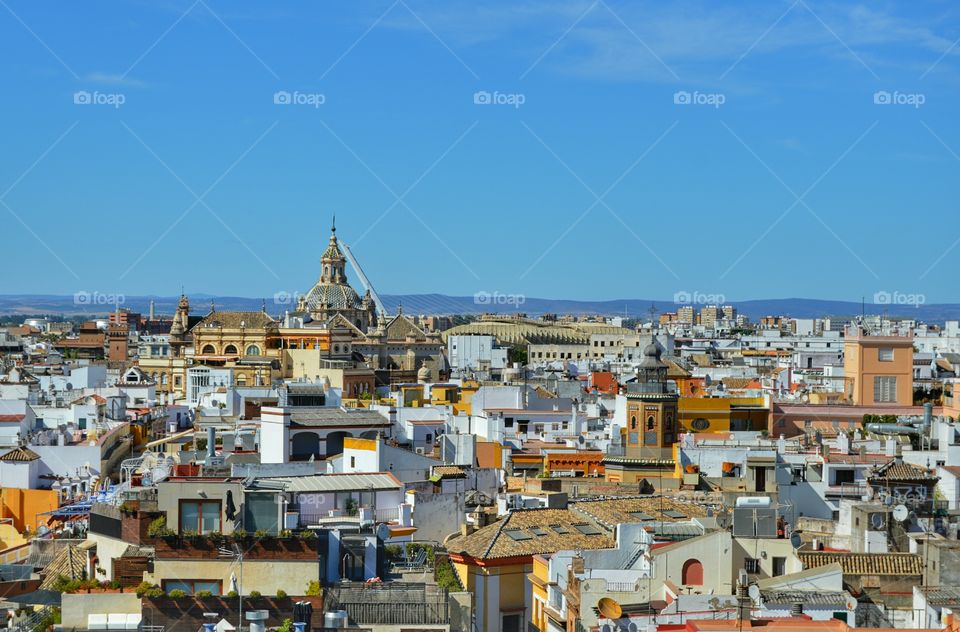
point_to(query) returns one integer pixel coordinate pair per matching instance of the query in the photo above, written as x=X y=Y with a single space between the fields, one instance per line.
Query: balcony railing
x=313 y=518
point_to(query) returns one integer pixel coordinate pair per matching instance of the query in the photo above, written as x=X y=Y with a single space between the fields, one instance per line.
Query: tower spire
x=333 y=226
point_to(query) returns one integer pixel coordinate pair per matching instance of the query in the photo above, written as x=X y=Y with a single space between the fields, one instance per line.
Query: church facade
x=332 y=329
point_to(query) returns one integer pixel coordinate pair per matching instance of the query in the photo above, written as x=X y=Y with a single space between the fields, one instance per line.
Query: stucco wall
x=76 y=607
x=266 y=576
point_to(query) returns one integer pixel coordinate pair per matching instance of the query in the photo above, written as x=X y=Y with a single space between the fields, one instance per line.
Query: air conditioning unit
x=419 y=450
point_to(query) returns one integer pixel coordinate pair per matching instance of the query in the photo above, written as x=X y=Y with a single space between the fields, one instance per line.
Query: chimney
x=211 y=443
x=151 y=310
x=891 y=447
x=576 y=564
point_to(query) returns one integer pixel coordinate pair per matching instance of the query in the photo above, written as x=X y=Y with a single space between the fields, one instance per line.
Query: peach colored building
x=878 y=370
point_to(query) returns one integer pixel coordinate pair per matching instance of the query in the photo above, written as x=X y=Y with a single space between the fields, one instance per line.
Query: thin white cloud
x=114 y=79
x=697 y=37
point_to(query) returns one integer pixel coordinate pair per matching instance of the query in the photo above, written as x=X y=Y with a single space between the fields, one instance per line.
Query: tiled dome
x=332 y=295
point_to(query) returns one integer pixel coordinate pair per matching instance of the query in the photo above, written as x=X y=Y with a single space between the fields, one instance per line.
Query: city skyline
x=481 y=148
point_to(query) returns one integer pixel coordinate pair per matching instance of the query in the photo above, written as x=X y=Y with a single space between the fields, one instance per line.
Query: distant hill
x=31 y=304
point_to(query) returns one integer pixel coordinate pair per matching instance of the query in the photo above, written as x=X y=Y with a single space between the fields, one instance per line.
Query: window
x=885 y=388
x=633 y=422
x=353 y=462
x=751 y=565
x=779 y=566
x=202 y=516
x=209 y=350
x=651 y=423
x=193 y=586
x=253 y=350
x=692 y=573
x=885 y=354
x=844 y=477
x=700 y=424
x=230 y=350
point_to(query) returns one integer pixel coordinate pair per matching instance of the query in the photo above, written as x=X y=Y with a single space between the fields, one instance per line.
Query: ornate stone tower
x=651 y=404
x=332 y=294
x=179 y=327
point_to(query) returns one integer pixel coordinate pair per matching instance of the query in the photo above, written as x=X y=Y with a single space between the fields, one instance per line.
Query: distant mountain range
x=84 y=303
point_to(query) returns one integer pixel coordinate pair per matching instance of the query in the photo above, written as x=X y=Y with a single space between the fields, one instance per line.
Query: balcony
x=336 y=516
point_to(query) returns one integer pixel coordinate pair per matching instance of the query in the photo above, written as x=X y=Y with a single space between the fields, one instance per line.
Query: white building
x=475 y=353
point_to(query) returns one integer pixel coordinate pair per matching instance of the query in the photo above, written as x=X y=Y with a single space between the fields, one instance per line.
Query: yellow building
x=495 y=561
x=723 y=414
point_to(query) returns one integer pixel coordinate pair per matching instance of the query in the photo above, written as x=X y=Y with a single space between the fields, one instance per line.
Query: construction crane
x=363 y=279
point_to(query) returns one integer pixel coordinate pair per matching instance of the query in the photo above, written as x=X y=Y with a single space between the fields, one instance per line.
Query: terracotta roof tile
x=613 y=511
x=70 y=562
x=900 y=471
x=903 y=564
x=20 y=455
x=529 y=532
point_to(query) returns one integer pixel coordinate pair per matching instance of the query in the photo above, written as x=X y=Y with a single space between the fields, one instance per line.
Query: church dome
x=332 y=290
x=325 y=295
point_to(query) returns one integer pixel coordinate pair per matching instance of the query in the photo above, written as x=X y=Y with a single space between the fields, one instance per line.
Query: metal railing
x=32 y=620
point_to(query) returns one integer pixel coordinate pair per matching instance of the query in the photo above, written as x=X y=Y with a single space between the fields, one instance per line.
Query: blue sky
x=782 y=177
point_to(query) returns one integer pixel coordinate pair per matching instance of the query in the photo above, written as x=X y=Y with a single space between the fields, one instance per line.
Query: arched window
x=241 y=380
x=208 y=350
x=692 y=573
x=633 y=422
x=253 y=350
x=230 y=350
x=651 y=423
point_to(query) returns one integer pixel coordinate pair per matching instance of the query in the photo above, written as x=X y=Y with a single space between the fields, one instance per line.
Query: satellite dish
x=383 y=532
x=851 y=603
x=900 y=513
x=796 y=540
x=754 y=592
x=609 y=608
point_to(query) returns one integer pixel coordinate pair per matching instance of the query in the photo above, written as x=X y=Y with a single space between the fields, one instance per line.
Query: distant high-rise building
x=686 y=315
x=709 y=315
